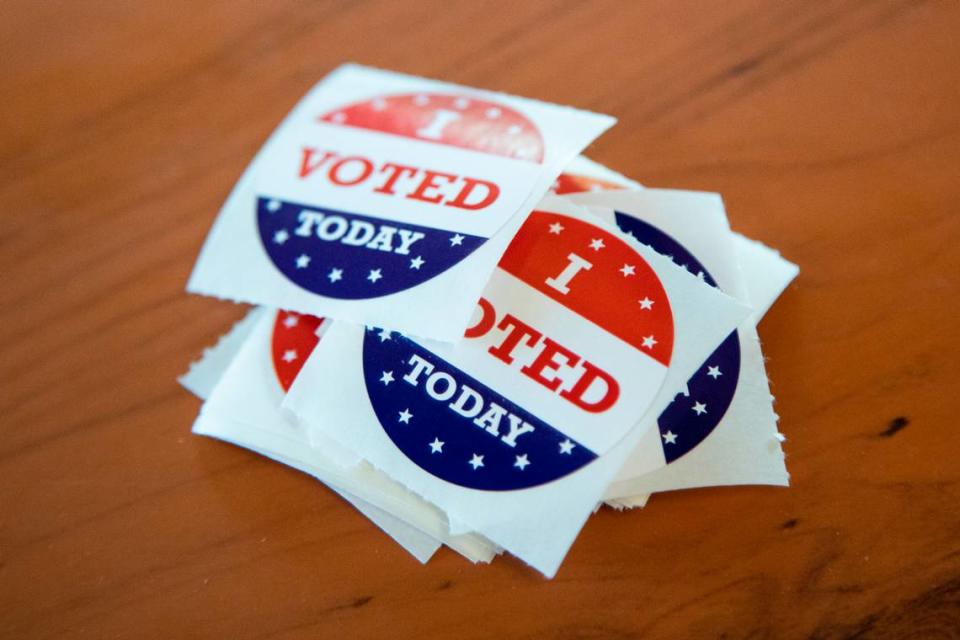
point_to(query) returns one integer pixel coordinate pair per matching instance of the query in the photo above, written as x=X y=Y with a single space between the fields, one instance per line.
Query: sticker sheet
x=722 y=430
x=244 y=408
x=382 y=194
x=516 y=431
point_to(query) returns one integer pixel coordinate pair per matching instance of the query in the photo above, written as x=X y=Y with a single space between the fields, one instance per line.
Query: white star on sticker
x=374 y=275
x=493 y=113
x=627 y=270
x=335 y=274
x=648 y=342
x=436 y=446
x=289 y=355
x=476 y=461
x=302 y=261
x=405 y=416
x=596 y=244
x=384 y=335
x=273 y=205
x=290 y=321
x=456 y=240
x=281 y=236
x=521 y=462
x=378 y=104
x=339 y=117
x=387 y=377
x=669 y=437
x=714 y=372
x=514 y=129
x=699 y=408
x=646 y=304
x=566 y=446
x=420 y=100
x=556 y=228
x=461 y=103
x=416 y=263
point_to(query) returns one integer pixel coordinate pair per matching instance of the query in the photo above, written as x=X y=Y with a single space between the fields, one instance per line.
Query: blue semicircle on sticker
x=688 y=420
x=455 y=427
x=350 y=256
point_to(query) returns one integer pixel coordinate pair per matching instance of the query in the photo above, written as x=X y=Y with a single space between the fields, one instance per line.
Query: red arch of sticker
x=620 y=292
x=459 y=121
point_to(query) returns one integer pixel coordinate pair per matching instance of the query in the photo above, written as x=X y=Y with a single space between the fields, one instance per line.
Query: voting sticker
x=381 y=193
x=573 y=340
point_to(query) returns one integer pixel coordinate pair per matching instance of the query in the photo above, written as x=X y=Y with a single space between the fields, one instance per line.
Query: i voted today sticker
x=345 y=254
x=570 y=343
x=381 y=193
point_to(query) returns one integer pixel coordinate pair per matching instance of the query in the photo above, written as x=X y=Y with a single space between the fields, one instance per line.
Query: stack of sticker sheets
x=472 y=333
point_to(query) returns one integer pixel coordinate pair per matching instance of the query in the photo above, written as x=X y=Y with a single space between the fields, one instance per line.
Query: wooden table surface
x=831 y=129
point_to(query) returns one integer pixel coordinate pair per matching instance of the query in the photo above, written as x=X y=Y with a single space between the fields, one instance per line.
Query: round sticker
x=363 y=256
x=688 y=420
x=570 y=344
x=294 y=338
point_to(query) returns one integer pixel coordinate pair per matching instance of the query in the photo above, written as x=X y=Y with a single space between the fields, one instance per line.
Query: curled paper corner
x=204 y=372
x=628 y=503
x=466 y=546
x=616 y=505
x=417 y=543
x=237 y=300
x=473 y=546
x=487 y=556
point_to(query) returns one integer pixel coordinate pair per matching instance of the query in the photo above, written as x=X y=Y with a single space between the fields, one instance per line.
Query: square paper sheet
x=382 y=194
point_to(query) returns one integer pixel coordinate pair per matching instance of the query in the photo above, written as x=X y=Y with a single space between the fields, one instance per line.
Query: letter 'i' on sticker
x=575 y=265
x=441 y=118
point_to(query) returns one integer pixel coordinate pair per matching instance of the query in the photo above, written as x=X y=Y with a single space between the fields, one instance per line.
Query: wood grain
x=832 y=129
